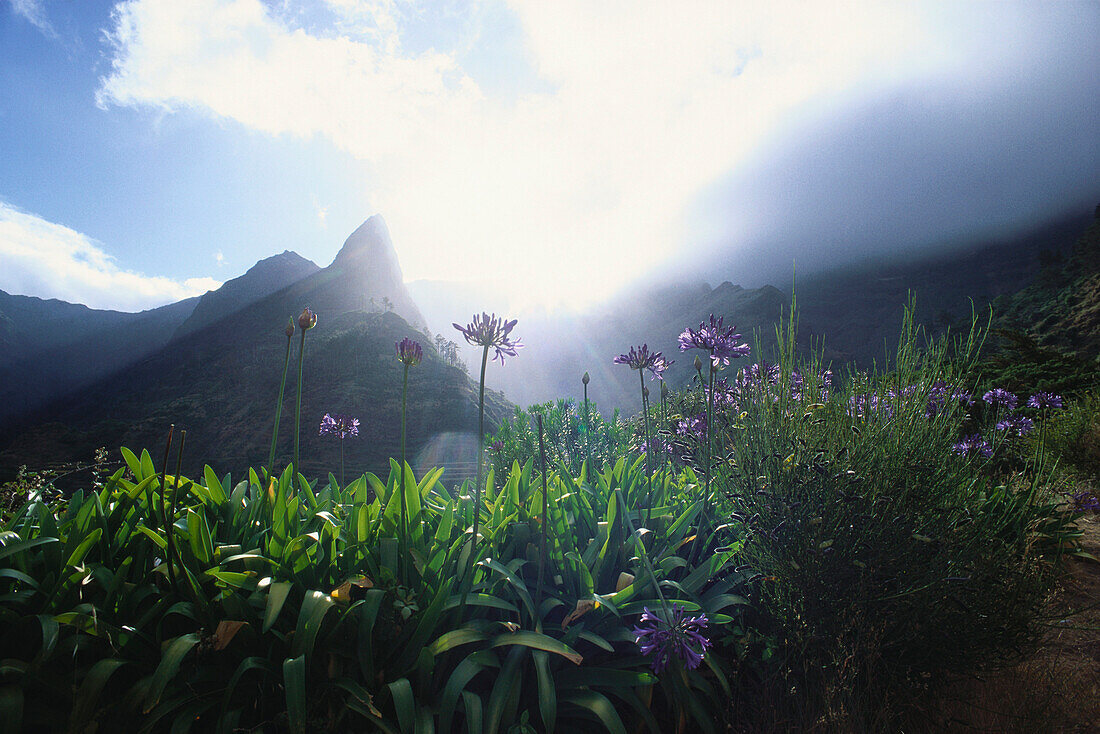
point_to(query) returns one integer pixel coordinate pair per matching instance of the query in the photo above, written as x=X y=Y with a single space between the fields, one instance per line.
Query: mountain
x=1061 y=308
x=60 y=347
x=852 y=314
x=218 y=379
x=266 y=276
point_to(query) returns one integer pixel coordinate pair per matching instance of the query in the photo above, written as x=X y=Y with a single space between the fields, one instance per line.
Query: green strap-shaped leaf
x=405 y=704
x=294 y=679
x=276 y=598
x=21 y=545
x=454 y=638
x=314 y=608
x=456 y=684
x=199 y=532
x=502 y=690
x=168 y=667
x=598 y=704
x=548 y=696
x=87 y=697
x=538 y=641
x=474 y=716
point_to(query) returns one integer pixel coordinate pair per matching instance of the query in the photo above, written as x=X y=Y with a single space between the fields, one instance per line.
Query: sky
x=558 y=152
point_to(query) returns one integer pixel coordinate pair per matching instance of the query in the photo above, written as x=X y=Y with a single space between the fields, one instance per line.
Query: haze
x=550 y=153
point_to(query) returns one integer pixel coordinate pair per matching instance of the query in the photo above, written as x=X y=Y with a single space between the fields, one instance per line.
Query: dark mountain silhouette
x=61 y=347
x=268 y=275
x=219 y=380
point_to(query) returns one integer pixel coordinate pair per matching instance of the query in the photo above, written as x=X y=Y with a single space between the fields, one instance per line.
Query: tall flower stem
x=480 y=456
x=342 y=482
x=404 y=530
x=545 y=521
x=298 y=408
x=279 y=404
x=306 y=321
x=587 y=427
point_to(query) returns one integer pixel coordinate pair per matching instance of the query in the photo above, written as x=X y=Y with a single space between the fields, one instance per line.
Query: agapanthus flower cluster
x=941 y=394
x=973 y=445
x=722 y=342
x=1001 y=398
x=342 y=426
x=490 y=331
x=1044 y=400
x=695 y=427
x=640 y=358
x=679 y=638
x=409 y=352
x=1084 y=501
x=1021 y=425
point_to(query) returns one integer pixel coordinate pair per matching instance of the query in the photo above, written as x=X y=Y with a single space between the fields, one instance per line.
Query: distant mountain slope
x=1062 y=307
x=88 y=348
x=265 y=277
x=220 y=382
x=30 y=325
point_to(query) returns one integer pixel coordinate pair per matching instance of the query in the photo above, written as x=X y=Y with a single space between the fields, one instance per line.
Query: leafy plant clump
x=771 y=547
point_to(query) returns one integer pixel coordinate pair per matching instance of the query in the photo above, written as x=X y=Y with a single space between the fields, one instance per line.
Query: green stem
x=648 y=448
x=298 y=409
x=278 y=412
x=587 y=431
x=642 y=552
x=545 y=522
x=404 y=541
x=480 y=451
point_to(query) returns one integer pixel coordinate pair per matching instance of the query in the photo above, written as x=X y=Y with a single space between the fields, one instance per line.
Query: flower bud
x=698 y=363
x=585 y=378
x=289 y=327
x=664 y=389
x=307 y=320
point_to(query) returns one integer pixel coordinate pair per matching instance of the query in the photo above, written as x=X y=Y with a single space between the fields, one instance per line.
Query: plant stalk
x=298 y=408
x=278 y=411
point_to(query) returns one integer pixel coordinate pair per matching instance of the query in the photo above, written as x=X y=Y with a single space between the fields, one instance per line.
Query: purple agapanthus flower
x=717 y=339
x=1019 y=424
x=999 y=397
x=694 y=427
x=1085 y=501
x=973 y=445
x=342 y=426
x=681 y=638
x=409 y=352
x=640 y=358
x=490 y=331
x=943 y=393
x=1044 y=400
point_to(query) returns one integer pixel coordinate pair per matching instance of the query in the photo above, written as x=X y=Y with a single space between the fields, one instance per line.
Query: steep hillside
x=220 y=382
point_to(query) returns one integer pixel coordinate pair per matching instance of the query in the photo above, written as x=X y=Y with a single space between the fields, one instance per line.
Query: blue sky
x=150 y=149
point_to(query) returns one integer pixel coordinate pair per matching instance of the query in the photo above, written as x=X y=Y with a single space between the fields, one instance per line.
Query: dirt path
x=1056 y=690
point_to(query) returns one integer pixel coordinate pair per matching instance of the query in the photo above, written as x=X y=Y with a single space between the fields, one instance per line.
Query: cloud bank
x=642 y=127
x=48 y=260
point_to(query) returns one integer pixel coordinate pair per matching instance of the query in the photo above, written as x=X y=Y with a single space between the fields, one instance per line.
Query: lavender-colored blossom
x=942 y=393
x=694 y=427
x=999 y=397
x=409 y=352
x=342 y=426
x=640 y=358
x=490 y=331
x=865 y=405
x=973 y=444
x=1043 y=400
x=680 y=637
x=1085 y=501
x=717 y=339
x=1019 y=424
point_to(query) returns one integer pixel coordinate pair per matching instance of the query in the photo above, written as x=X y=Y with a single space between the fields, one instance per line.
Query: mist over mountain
x=81 y=379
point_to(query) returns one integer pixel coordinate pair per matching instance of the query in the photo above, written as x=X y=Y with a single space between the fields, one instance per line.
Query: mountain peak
x=370 y=251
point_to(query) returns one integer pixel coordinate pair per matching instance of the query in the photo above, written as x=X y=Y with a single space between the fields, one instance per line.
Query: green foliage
x=569 y=440
x=290 y=614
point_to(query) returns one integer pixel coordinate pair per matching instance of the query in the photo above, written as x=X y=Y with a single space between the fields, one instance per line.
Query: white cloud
x=566 y=193
x=41 y=258
x=32 y=11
